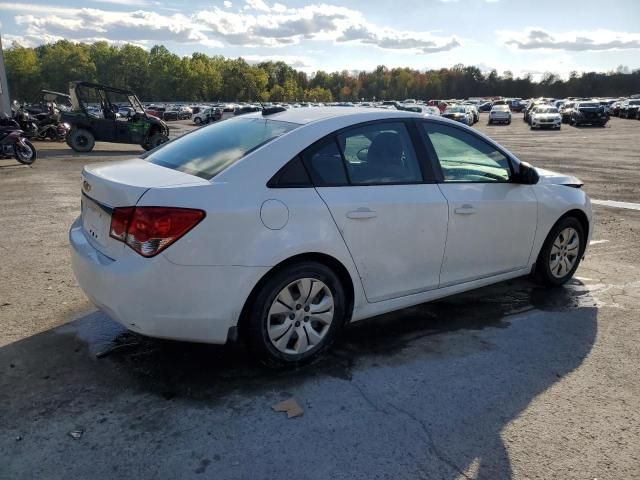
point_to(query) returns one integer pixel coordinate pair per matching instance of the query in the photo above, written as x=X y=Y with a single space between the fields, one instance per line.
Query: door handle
x=361 y=213
x=465 y=210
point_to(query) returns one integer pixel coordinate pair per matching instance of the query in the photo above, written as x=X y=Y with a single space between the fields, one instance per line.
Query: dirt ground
x=510 y=381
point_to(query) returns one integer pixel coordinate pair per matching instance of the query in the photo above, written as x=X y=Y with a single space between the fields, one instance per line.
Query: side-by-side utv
x=95 y=118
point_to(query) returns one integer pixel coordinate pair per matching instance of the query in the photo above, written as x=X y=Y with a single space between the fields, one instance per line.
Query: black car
x=91 y=125
x=588 y=113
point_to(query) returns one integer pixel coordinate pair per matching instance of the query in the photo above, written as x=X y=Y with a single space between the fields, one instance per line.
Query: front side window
x=379 y=153
x=463 y=157
x=209 y=150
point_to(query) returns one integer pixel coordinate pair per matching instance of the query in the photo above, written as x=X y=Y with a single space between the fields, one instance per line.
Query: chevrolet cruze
x=281 y=227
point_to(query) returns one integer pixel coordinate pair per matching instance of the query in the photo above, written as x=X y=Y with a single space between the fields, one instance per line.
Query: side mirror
x=526 y=174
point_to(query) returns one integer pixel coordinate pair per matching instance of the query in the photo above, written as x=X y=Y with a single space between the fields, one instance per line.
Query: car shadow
x=454 y=373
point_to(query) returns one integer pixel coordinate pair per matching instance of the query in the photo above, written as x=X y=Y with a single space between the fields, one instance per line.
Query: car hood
x=548 y=177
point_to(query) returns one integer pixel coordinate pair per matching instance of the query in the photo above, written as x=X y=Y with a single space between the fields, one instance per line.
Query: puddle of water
x=172 y=369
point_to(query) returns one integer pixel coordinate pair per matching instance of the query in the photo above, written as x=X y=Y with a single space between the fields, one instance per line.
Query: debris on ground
x=18 y=438
x=76 y=434
x=291 y=406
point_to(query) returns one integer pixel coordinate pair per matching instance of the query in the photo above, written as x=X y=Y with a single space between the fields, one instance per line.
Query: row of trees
x=159 y=75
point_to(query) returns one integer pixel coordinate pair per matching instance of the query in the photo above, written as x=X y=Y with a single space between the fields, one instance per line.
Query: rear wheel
x=296 y=315
x=155 y=140
x=561 y=252
x=197 y=120
x=25 y=154
x=81 y=140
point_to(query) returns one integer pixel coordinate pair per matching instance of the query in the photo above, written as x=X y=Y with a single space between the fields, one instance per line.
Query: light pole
x=5 y=103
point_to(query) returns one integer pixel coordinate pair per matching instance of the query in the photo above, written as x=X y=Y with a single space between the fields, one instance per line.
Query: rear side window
x=209 y=150
x=292 y=175
x=324 y=162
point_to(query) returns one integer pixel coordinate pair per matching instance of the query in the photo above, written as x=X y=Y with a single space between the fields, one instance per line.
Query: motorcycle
x=13 y=144
x=41 y=126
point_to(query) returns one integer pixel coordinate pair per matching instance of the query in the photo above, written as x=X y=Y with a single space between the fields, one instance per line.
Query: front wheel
x=561 y=252
x=197 y=120
x=25 y=153
x=296 y=315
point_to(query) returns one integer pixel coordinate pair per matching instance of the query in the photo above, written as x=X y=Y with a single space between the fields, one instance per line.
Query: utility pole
x=5 y=102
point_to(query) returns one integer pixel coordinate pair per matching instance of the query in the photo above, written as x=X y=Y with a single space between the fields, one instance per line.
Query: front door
x=492 y=221
x=393 y=222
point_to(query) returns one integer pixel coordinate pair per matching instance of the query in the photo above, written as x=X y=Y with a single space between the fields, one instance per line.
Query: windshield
x=589 y=105
x=209 y=150
x=546 y=110
x=634 y=102
x=455 y=110
x=501 y=108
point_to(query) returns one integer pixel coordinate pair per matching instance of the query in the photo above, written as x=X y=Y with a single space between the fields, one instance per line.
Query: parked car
x=545 y=116
x=293 y=260
x=615 y=108
x=424 y=109
x=485 y=107
x=499 y=114
x=475 y=113
x=588 y=113
x=207 y=115
x=515 y=104
x=527 y=111
x=459 y=113
x=565 y=111
x=629 y=108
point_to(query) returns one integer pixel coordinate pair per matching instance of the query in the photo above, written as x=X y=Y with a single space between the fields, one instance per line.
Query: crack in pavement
x=431 y=445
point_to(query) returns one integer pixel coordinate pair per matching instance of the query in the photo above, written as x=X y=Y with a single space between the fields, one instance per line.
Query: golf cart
x=104 y=124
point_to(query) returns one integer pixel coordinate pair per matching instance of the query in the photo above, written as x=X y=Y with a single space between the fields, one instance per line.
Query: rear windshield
x=209 y=150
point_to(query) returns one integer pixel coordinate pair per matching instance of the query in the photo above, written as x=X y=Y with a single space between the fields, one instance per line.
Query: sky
x=522 y=36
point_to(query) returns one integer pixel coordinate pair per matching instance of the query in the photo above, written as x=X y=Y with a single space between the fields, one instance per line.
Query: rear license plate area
x=95 y=220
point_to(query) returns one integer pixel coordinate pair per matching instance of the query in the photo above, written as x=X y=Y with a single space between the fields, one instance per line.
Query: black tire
x=27 y=154
x=81 y=140
x=156 y=140
x=197 y=120
x=489 y=122
x=508 y=122
x=543 y=270
x=253 y=328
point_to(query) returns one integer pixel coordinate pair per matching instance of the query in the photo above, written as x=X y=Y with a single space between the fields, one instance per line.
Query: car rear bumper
x=158 y=298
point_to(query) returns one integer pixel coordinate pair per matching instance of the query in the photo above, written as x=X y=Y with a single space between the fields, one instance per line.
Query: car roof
x=304 y=116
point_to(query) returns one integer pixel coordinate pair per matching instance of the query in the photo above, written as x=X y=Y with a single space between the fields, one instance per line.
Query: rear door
x=492 y=221
x=391 y=214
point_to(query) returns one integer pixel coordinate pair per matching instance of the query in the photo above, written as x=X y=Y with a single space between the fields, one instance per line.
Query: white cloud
x=576 y=41
x=257 y=24
x=298 y=62
x=396 y=40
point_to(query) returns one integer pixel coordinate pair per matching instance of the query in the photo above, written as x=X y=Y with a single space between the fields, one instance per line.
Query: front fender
x=554 y=201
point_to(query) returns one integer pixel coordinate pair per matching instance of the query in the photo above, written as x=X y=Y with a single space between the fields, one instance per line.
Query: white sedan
x=545 y=116
x=500 y=114
x=283 y=226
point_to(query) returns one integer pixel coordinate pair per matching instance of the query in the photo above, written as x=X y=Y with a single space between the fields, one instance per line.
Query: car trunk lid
x=121 y=184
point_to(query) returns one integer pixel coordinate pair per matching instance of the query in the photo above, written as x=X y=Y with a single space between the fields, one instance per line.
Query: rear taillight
x=149 y=230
